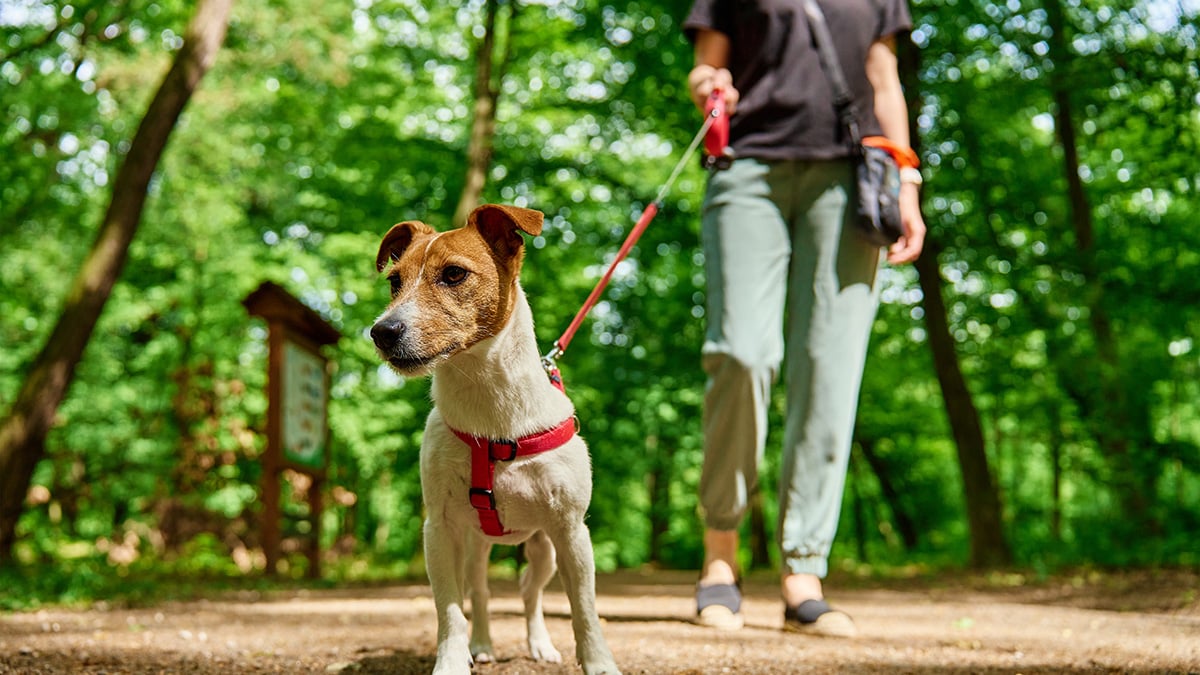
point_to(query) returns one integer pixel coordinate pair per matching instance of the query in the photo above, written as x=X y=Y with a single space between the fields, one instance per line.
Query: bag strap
x=843 y=101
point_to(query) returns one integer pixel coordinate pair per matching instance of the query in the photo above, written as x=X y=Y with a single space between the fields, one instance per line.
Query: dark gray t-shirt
x=786 y=108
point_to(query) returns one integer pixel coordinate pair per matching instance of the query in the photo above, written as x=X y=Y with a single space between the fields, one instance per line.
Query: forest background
x=1033 y=385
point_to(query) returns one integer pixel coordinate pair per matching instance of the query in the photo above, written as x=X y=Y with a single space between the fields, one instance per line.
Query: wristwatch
x=911 y=175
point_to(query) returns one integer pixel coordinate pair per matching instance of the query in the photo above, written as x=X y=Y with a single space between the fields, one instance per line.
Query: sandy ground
x=1129 y=623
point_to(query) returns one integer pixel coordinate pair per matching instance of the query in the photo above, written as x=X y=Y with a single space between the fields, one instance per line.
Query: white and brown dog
x=500 y=460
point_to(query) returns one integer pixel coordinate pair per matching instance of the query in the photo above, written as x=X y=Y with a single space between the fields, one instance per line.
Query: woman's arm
x=892 y=113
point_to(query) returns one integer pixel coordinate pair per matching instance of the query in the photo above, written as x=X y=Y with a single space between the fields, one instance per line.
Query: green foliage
x=319 y=127
x=203 y=571
x=1027 y=291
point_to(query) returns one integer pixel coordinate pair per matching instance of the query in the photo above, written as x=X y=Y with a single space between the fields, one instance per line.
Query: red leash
x=715 y=133
x=485 y=452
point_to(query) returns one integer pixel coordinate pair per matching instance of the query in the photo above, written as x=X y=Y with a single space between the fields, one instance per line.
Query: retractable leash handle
x=716 y=141
x=717 y=155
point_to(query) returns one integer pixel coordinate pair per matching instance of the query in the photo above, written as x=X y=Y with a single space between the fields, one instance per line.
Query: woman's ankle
x=720 y=557
x=717 y=572
x=796 y=588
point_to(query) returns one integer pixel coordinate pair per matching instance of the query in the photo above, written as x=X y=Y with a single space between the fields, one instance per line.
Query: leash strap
x=485 y=452
x=642 y=223
x=843 y=100
x=906 y=158
x=560 y=345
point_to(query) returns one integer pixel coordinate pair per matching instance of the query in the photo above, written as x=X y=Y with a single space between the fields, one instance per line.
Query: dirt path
x=1145 y=623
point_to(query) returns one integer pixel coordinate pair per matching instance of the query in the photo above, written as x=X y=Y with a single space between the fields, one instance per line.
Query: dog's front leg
x=478 y=553
x=578 y=570
x=444 y=564
x=540 y=553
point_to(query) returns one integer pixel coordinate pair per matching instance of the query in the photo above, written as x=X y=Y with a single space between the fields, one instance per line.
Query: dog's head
x=450 y=290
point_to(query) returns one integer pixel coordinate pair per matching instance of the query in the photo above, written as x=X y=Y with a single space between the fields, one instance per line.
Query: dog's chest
x=529 y=490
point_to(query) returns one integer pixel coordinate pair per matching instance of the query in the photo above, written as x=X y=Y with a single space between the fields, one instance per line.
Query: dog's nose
x=386 y=333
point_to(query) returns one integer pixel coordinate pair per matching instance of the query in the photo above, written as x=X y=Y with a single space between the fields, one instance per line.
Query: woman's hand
x=712 y=54
x=908 y=247
x=704 y=79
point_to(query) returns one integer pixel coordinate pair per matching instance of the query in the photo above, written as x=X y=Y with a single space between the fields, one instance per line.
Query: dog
x=501 y=462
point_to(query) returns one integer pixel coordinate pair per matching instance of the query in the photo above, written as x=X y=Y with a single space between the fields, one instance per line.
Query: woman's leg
x=831 y=307
x=746 y=259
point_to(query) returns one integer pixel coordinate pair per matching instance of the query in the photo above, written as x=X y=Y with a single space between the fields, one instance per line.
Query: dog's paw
x=608 y=668
x=542 y=650
x=458 y=668
x=481 y=651
x=453 y=662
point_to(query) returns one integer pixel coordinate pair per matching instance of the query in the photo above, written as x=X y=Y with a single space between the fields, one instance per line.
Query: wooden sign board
x=305 y=392
x=297 y=403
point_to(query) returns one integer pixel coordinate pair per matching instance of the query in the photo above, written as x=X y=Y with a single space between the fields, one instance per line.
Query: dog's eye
x=453 y=275
x=395 y=281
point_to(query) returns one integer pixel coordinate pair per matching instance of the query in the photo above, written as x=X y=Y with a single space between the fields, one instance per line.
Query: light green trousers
x=791 y=282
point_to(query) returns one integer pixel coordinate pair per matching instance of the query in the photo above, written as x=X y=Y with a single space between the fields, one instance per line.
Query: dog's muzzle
x=387 y=333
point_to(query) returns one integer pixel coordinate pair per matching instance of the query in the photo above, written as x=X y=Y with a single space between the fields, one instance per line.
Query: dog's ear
x=397 y=240
x=498 y=225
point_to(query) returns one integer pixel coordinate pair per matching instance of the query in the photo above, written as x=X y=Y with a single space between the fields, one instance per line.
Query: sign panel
x=305 y=398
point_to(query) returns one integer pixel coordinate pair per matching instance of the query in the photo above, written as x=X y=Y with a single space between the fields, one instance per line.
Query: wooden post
x=314 y=512
x=297 y=396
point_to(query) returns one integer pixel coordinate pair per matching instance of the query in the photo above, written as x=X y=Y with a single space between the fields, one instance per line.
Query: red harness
x=485 y=452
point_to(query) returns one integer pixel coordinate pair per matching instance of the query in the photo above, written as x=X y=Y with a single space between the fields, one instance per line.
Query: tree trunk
x=989 y=546
x=660 y=480
x=1057 y=441
x=23 y=434
x=859 y=510
x=1120 y=418
x=904 y=524
x=760 y=539
x=483 y=126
